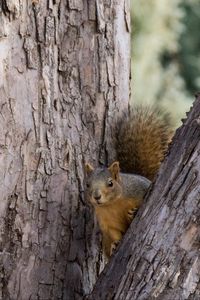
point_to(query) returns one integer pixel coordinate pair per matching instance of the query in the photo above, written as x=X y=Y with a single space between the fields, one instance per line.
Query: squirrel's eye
x=110 y=183
x=87 y=185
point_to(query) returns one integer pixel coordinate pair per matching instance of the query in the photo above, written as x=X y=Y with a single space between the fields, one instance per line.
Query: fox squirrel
x=142 y=140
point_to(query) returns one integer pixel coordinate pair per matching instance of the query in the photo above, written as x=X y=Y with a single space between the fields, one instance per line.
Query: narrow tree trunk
x=159 y=257
x=64 y=78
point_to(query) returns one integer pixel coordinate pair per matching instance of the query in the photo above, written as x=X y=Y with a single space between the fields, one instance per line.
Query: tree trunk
x=64 y=78
x=159 y=256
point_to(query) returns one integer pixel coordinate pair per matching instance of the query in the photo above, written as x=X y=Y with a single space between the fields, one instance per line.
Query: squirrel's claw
x=113 y=247
x=132 y=212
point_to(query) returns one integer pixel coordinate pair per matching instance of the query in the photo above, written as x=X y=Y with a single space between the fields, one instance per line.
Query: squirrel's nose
x=97 y=195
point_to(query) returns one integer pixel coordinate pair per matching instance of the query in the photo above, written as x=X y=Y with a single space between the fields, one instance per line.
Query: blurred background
x=166 y=54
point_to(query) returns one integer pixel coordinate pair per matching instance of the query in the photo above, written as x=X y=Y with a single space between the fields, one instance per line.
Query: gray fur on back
x=134 y=185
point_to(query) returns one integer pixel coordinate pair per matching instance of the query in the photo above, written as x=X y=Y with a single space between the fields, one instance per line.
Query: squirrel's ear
x=114 y=169
x=88 y=168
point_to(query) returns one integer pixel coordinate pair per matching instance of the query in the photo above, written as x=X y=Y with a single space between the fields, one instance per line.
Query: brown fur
x=142 y=141
x=114 y=219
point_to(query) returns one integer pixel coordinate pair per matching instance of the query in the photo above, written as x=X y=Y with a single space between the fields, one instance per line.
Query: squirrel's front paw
x=131 y=213
x=113 y=247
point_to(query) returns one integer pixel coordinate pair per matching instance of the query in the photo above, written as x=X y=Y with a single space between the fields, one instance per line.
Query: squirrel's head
x=103 y=184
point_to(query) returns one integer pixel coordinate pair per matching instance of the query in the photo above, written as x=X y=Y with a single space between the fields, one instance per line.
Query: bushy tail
x=142 y=140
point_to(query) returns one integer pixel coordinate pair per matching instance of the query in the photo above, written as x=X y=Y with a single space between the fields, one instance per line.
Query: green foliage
x=165 y=43
x=190 y=45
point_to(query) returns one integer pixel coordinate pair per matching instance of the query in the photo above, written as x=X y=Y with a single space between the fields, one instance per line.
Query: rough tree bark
x=64 y=77
x=159 y=257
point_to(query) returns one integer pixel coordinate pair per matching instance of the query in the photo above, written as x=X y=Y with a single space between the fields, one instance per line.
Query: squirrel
x=142 y=139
